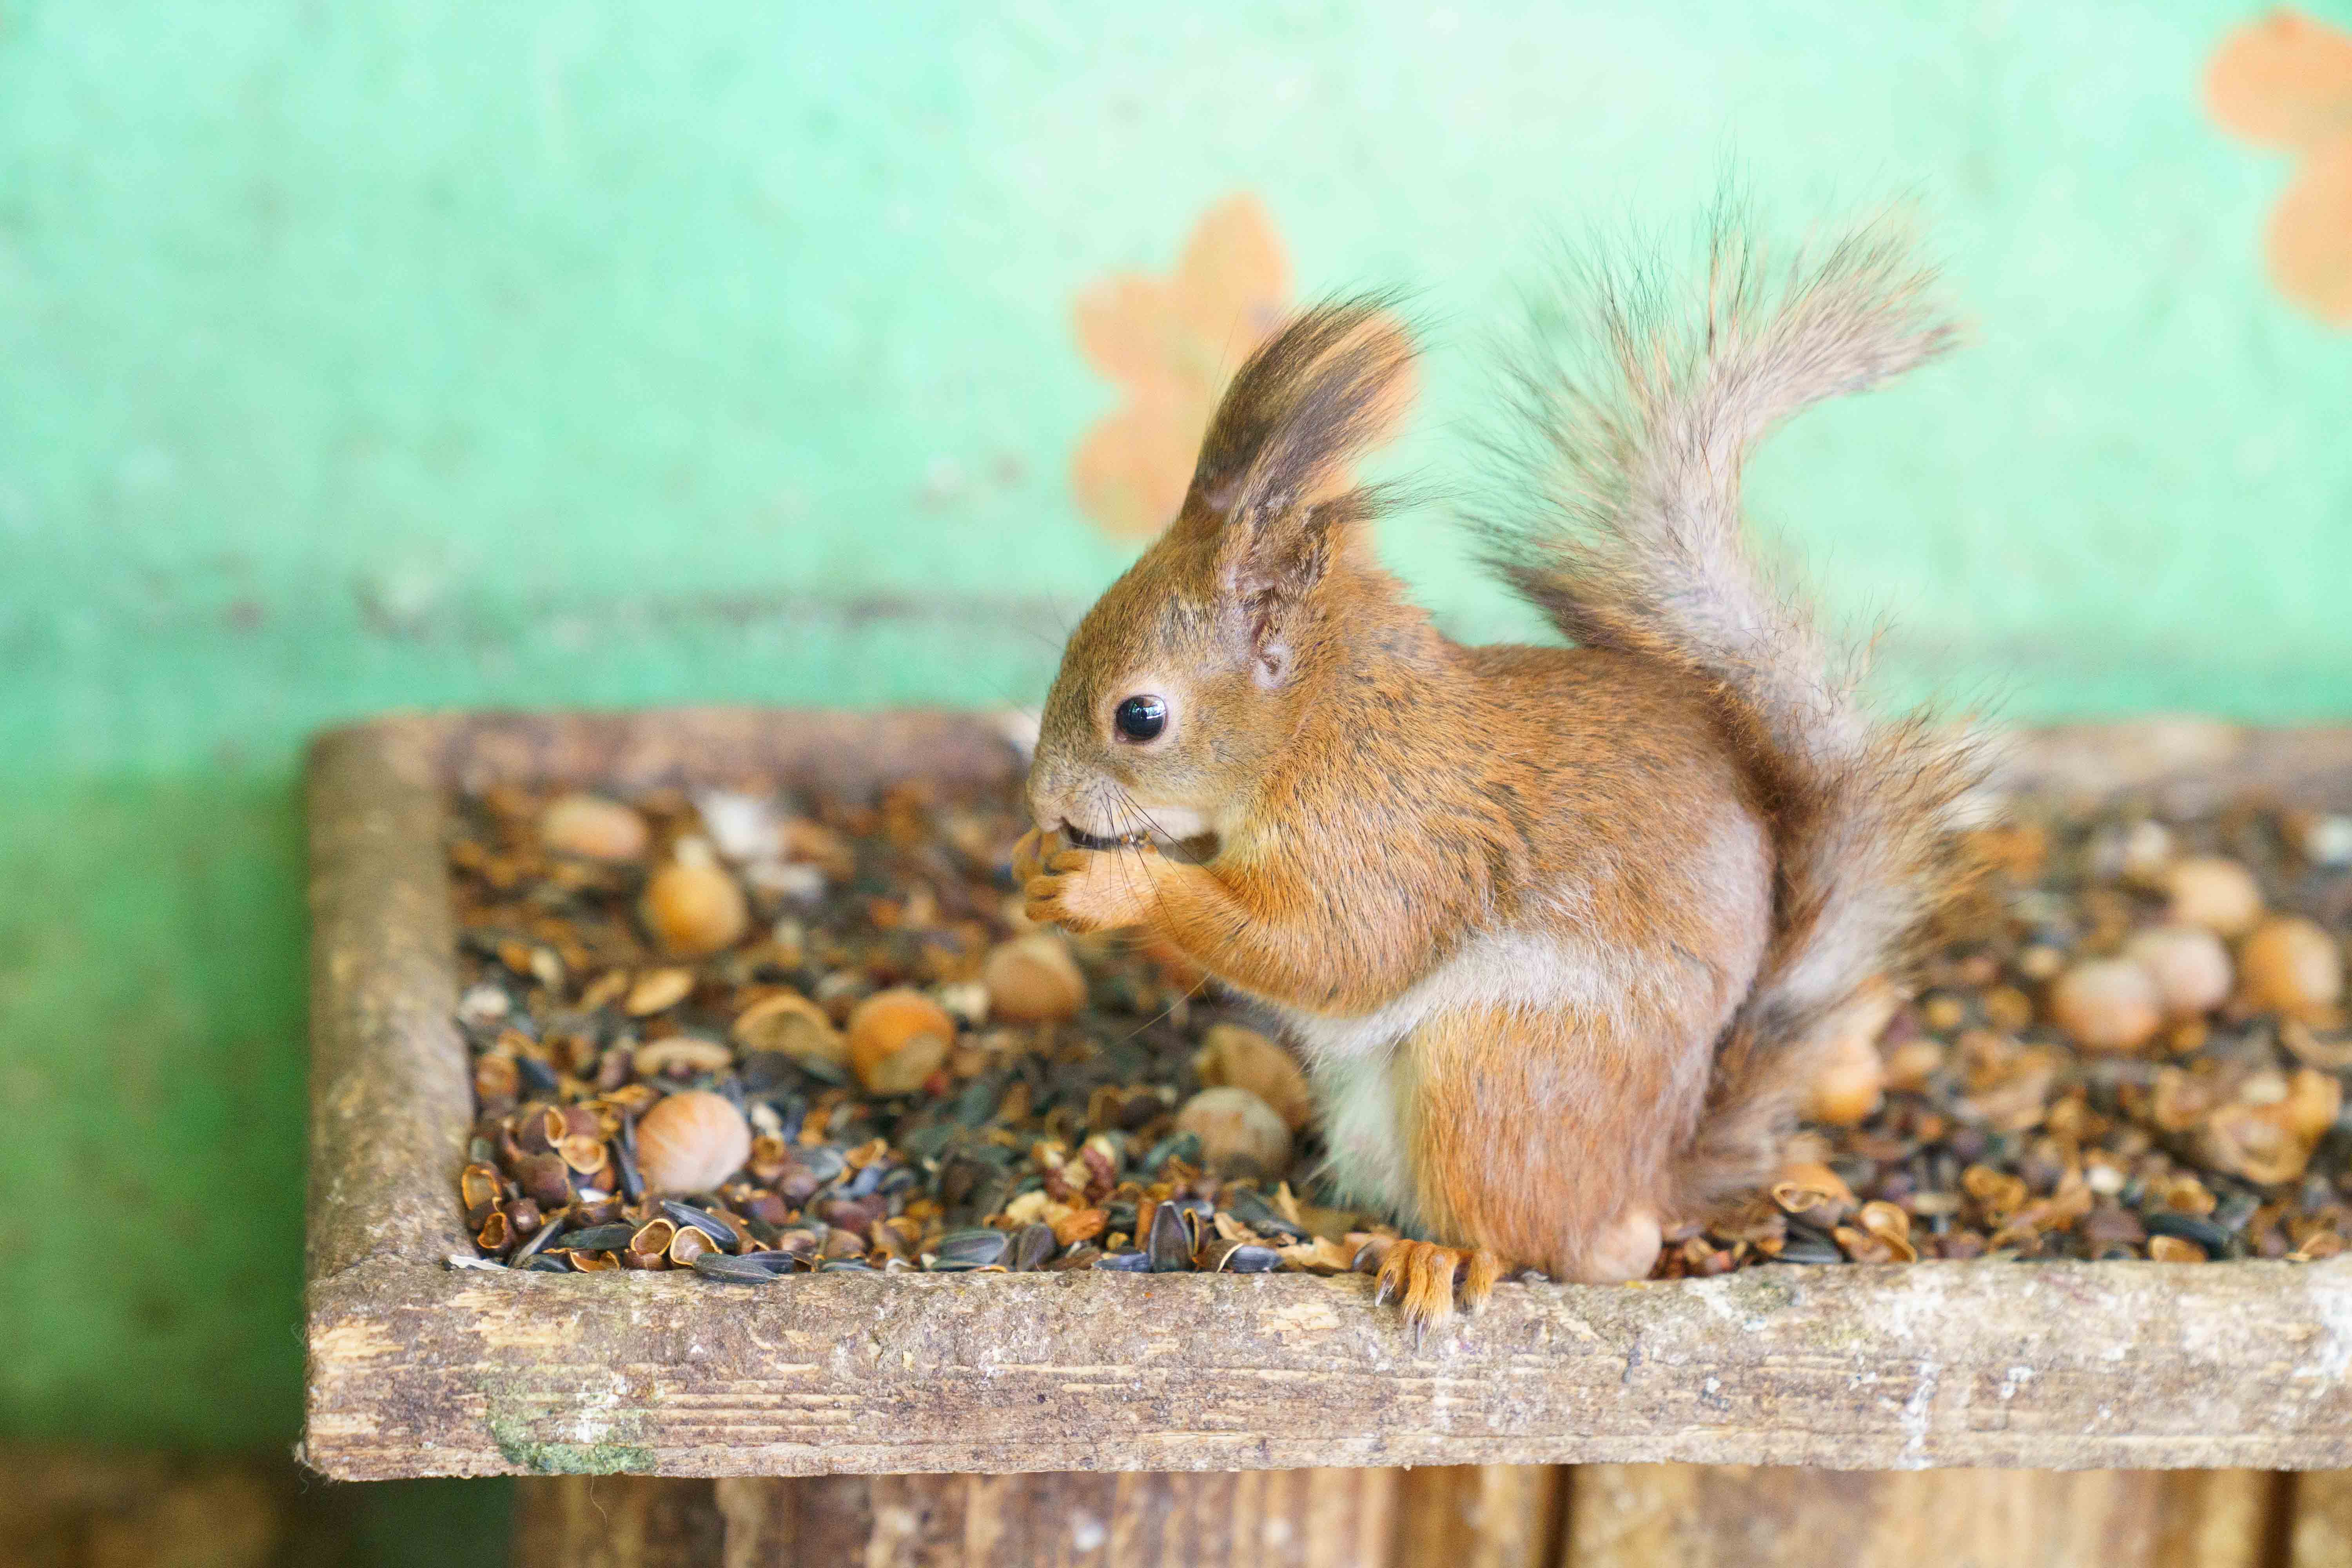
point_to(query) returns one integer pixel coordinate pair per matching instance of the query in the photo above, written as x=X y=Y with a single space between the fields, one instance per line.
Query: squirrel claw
x=1424 y=1275
x=1028 y=856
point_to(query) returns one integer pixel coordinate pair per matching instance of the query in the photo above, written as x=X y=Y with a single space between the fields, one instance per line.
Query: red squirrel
x=1560 y=932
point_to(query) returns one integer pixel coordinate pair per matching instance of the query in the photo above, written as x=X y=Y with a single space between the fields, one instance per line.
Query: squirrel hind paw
x=1421 y=1276
x=1626 y=1248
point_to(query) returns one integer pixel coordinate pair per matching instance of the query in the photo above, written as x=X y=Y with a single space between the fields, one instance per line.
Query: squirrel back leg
x=1547 y=1138
x=1421 y=1276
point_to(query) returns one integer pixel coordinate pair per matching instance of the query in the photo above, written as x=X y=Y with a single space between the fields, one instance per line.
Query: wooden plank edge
x=424 y=1371
x=390 y=1100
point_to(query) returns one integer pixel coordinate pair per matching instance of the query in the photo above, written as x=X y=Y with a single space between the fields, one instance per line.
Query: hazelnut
x=1240 y=1134
x=1244 y=1058
x=692 y=907
x=2215 y=892
x=2144 y=854
x=2106 y=1004
x=2188 y=964
x=594 y=827
x=691 y=1142
x=2314 y=1100
x=897 y=1039
x=1850 y=1084
x=2292 y=966
x=1033 y=979
x=1910 y=1065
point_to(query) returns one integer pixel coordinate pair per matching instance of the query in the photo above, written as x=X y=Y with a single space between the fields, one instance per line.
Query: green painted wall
x=367 y=356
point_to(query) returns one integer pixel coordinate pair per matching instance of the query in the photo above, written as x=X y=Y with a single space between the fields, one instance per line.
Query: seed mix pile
x=753 y=1034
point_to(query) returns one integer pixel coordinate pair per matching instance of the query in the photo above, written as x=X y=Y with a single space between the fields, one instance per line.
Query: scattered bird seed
x=753 y=1270
x=599 y=1238
x=930 y=1084
x=965 y=1249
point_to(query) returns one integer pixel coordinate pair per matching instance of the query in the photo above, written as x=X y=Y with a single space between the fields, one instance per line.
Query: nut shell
x=790 y=1023
x=691 y=1144
x=594 y=828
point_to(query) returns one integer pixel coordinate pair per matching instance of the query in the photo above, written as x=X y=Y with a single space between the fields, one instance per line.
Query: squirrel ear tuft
x=1336 y=380
x=1273 y=489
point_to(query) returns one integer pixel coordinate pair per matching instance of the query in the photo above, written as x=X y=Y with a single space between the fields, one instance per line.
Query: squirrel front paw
x=1093 y=889
x=1029 y=855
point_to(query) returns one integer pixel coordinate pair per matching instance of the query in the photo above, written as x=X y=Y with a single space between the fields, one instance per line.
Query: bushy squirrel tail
x=1634 y=418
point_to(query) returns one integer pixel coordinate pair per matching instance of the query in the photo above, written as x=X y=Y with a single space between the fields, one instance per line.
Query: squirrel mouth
x=1084 y=840
x=1197 y=851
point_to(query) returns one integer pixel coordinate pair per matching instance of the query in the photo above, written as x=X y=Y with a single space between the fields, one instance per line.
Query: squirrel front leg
x=1258 y=931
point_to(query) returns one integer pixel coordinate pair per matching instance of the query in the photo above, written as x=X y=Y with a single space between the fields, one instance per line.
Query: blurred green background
x=363 y=357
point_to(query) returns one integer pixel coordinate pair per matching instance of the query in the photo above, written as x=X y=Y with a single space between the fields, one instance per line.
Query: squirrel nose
x=1044 y=809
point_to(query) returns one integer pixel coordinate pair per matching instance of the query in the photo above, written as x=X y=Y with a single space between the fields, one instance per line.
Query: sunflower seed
x=1033 y=1247
x=1249 y=1258
x=599 y=1239
x=966 y=1249
x=2217 y=1242
x=1171 y=1240
x=710 y=1224
x=1802 y=1248
x=752 y=1270
x=1184 y=1146
x=1259 y=1215
x=547 y=1232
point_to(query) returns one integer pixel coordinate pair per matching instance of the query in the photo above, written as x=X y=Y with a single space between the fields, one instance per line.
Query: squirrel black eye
x=1141 y=718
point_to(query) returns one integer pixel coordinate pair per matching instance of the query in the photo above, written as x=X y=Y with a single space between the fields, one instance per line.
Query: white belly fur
x=1357 y=1065
x=1363 y=1130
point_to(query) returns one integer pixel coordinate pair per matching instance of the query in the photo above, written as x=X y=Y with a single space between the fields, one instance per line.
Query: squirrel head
x=1191 y=673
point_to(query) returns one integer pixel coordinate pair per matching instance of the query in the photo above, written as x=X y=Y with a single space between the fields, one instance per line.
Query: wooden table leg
x=1599 y=1516
x=1694 y=1516
x=2321 y=1534
x=1470 y=1517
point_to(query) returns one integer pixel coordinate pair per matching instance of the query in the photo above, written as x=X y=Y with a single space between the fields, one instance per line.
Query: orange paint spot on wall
x=2287 y=81
x=1170 y=344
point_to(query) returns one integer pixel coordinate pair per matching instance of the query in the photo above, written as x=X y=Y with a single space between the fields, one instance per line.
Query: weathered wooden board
x=415 y=1370
x=2058 y=1366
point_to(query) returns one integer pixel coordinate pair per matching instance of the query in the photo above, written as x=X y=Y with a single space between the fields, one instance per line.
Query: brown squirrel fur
x=1558 y=930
